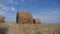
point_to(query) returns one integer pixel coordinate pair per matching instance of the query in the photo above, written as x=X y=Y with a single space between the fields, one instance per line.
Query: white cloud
x=4 y=9
x=1 y=12
x=13 y=9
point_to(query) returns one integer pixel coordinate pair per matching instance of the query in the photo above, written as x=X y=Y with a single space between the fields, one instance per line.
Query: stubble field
x=12 y=28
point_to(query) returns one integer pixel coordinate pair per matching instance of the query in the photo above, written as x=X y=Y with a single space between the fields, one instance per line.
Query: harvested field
x=12 y=28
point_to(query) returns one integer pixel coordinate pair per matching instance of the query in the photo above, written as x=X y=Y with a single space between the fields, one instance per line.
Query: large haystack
x=24 y=18
x=2 y=19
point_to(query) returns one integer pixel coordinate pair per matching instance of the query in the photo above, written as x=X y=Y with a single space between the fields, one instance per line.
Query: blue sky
x=47 y=10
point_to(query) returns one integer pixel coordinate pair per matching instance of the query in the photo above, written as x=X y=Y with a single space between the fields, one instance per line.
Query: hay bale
x=24 y=18
x=2 y=19
x=36 y=21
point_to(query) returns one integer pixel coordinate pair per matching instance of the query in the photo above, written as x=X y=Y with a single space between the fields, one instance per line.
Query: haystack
x=2 y=19
x=24 y=18
x=36 y=21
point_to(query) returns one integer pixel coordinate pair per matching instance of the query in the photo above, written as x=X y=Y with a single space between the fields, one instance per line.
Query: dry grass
x=31 y=28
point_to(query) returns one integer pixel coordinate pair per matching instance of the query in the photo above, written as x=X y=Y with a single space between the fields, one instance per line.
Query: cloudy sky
x=47 y=10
